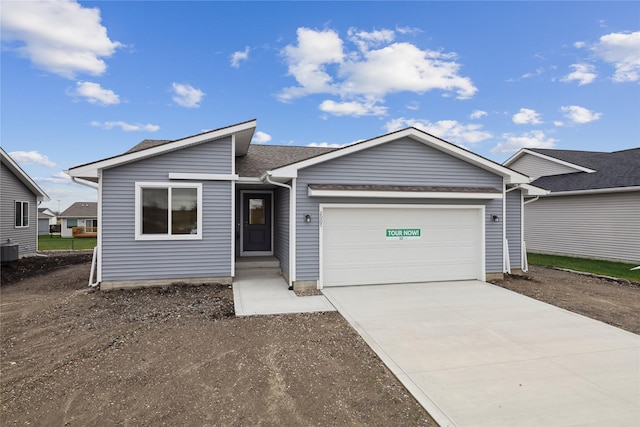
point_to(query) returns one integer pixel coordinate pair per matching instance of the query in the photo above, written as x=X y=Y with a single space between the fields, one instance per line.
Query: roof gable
x=510 y=176
x=22 y=176
x=241 y=132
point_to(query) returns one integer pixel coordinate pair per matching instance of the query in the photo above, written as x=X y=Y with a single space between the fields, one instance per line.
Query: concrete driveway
x=475 y=354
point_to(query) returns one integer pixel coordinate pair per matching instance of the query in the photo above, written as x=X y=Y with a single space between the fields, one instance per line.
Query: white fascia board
x=512 y=177
x=91 y=170
x=23 y=177
x=402 y=194
x=532 y=190
x=524 y=151
x=593 y=191
x=203 y=176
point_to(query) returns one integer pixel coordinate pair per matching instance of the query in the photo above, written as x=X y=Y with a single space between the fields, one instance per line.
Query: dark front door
x=256 y=217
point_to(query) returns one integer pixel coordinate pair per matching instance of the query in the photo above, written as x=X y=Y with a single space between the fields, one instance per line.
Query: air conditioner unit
x=9 y=252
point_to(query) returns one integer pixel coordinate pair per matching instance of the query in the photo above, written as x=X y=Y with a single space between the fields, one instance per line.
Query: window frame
x=70 y=225
x=169 y=186
x=21 y=224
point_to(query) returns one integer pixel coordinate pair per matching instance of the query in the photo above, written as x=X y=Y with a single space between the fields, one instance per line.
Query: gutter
x=86 y=184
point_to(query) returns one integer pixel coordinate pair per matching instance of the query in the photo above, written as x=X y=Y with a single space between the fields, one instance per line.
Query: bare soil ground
x=179 y=356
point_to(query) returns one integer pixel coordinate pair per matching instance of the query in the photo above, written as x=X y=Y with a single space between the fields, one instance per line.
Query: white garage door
x=371 y=245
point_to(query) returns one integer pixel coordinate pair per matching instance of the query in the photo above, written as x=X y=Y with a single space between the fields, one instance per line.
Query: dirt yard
x=178 y=356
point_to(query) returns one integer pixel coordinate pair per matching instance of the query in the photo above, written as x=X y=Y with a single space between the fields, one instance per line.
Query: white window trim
x=23 y=203
x=169 y=236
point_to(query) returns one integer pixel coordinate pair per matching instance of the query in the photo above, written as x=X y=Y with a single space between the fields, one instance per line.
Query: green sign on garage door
x=403 y=233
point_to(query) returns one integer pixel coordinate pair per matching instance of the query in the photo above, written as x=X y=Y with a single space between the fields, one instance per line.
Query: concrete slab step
x=244 y=263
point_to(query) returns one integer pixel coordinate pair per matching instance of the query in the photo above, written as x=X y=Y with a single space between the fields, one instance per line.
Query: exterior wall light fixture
x=307 y=218
x=495 y=218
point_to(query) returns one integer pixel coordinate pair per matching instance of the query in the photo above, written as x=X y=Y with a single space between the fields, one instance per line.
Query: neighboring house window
x=22 y=214
x=72 y=223
x=168 y=211
x=91 y=223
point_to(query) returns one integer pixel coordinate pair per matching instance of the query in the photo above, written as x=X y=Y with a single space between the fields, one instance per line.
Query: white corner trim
x=403 y=194
x=203 y=176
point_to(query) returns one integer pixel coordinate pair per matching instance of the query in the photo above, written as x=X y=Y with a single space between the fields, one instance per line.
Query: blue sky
x=82 y=81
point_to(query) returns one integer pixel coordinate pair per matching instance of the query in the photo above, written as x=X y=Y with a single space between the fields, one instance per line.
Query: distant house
x=46 y=218
x=19 y=199
x=399 y=208
x=81 y=216
x=593 y=208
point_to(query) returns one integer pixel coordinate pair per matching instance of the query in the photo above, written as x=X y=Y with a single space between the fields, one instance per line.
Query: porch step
x=246 y=263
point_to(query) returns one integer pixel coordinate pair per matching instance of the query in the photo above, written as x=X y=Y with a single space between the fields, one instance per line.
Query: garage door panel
x=356 y=249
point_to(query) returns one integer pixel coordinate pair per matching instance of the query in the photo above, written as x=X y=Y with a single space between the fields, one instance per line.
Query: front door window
x=256 y=227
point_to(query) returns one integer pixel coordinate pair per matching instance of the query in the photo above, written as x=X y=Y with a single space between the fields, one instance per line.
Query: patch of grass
x=57 y=243
x=620 y=270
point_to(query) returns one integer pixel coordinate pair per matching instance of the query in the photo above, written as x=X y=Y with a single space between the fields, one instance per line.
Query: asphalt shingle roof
x=81 y=210
x=613 y=170
x=261 y=158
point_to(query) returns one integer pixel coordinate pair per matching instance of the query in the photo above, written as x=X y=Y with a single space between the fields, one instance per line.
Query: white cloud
x=187 y=95
x=261 y=137
x=127 y=127
x=320 y=63
x=325 y=144
x=582 y=73
x=558 y=123
x=238 y=56
x=622 y=50
x=352 y=108
x=58 y=36
x=96 y=94
x=31 y=158
x=413 y=105
x=449 y=130
x=366 y=40
x=56 y=178
x=533 y=139
x=526 y=116
x=477 y=114
x=580 y=115
x=538 y=72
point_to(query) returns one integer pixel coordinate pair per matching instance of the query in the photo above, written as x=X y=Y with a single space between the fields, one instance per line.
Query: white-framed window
x=72 y=223
x=22 y=214
x=168 y=211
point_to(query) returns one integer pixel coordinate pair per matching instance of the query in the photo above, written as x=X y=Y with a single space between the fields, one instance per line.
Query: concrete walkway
x=474 y=354
x=264 y=291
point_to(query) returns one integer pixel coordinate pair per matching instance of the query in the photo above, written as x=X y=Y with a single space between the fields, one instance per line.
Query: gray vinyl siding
x=602 y=226
x=281 y=232
x=401 y=162
x=536 y=167
x=513 y=227
x=124 y=258
x=13 y=190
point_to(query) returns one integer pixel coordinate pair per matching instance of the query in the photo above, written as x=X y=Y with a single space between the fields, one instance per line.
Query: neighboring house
x=46 y=218
x=593 y=208
x=19 y=199
x=402 y=207
x=81 y=217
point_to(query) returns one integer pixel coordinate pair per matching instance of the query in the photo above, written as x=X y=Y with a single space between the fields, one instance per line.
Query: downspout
x=92 y=283
x=267 y=178
x=525 y=263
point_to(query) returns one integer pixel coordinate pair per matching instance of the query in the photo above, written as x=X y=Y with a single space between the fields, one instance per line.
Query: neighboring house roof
x=22 y=176
x=614 y=170
x=45 y=213
x=81 y=210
